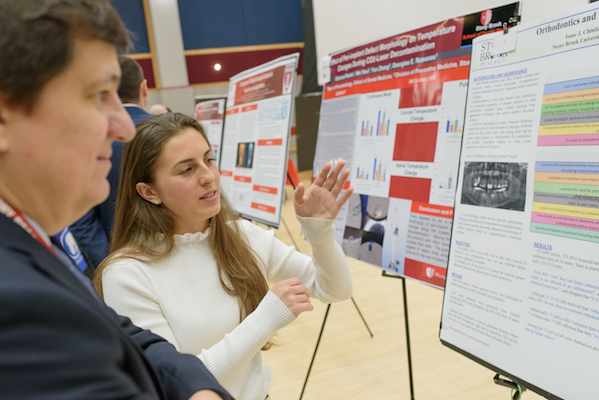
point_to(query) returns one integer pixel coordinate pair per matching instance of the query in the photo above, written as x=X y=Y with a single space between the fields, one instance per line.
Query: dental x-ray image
x=496 y=185
x=365 y=228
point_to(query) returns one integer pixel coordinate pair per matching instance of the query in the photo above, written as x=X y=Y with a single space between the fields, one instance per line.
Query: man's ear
x=147 y=193
x=4 y=111
x=143 y=90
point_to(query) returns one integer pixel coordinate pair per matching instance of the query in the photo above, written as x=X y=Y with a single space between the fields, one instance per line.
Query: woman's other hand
x=294 y=295
x=320 y=201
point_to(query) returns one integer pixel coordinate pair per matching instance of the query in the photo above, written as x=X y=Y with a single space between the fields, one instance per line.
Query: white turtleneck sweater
x=182 y=299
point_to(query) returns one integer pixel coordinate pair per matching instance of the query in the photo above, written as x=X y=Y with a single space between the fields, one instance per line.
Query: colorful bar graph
x=379 y=173
x=374 y=173
x=382 y=126
x=453 y=126
x=360 y=175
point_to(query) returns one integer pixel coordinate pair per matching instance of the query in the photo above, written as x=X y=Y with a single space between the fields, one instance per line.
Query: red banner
x=208 y=110
x=432 y=209
x=425 y=272
x=265 y=189
x=453 y=69
x=258 y=87
x=270 y=142
x=410 y=48
x=263 y=207
x=253 y=107
x=244 y=179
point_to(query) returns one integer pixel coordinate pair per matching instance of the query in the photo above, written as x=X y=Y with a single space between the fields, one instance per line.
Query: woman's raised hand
x=320 y=201
x=294 y=295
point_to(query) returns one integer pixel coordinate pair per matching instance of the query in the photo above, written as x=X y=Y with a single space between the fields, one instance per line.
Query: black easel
x=510 y=384
x=283 y=219
x=405 y=311
x=289 y=232
x=324 y=321
x=326 y=314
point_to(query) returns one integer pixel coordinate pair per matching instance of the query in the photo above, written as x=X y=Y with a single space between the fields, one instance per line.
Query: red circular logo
x=486 y=16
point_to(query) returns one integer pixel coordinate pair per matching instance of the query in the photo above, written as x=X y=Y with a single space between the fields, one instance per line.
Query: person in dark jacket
x=59 y=115
x=94 y=229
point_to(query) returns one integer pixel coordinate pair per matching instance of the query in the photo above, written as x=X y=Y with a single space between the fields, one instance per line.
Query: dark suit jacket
x=93 y=231
x=137 y=114
x=58 y=341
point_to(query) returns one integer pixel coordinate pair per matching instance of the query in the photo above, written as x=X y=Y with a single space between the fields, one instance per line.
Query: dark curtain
x=310 y=79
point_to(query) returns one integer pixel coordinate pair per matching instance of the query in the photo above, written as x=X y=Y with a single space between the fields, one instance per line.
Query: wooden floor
x=352 y=365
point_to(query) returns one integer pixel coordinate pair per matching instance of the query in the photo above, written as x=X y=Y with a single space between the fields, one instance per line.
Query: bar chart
x=453 y=126
x=380 y=129
x=378 y=173
x=447 y=185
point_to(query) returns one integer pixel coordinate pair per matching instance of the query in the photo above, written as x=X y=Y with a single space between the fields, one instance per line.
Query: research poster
x=522 y=292
x=394 y=110
x=255 y=142
x=211 y=114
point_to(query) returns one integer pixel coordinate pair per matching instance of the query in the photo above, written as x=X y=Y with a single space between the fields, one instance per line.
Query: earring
x=157 y=202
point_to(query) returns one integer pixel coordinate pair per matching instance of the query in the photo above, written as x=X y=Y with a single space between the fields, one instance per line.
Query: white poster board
x=211 y=114
x=255 y=142
x=522 y=292
x=394 y=109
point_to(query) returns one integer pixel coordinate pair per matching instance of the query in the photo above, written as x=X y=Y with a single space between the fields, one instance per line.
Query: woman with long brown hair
x=184 y=267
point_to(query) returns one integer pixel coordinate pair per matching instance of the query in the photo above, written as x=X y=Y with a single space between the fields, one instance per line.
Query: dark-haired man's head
x=59 y=107
x=37 y=40
x=133 y=88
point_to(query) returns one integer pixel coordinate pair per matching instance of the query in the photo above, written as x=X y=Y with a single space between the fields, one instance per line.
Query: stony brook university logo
x=486 y=16
x=487 y=58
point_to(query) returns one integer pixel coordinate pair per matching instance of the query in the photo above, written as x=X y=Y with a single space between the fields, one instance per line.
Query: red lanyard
x=20 y=220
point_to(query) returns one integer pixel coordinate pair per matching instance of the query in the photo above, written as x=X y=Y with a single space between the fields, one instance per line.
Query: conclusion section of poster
x=394 y=109
x=255 y=142
x=211 y=114
x=522 y=292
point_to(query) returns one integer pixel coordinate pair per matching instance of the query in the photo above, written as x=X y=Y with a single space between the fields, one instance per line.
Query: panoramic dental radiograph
x=497 y=185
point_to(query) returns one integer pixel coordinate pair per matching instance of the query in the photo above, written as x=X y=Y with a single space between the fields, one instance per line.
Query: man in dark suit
x=59 y=114
x=93 y=231
x=133 y=89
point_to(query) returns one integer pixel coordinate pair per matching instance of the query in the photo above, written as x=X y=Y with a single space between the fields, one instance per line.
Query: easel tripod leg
x=408 y=345
x=326 y=314
x=289 y=232
x=361 y=316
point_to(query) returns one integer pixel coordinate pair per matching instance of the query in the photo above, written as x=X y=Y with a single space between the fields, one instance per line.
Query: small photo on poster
x=245 y=155
x=394 y=245
x=365 y=228
x=495 y=185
